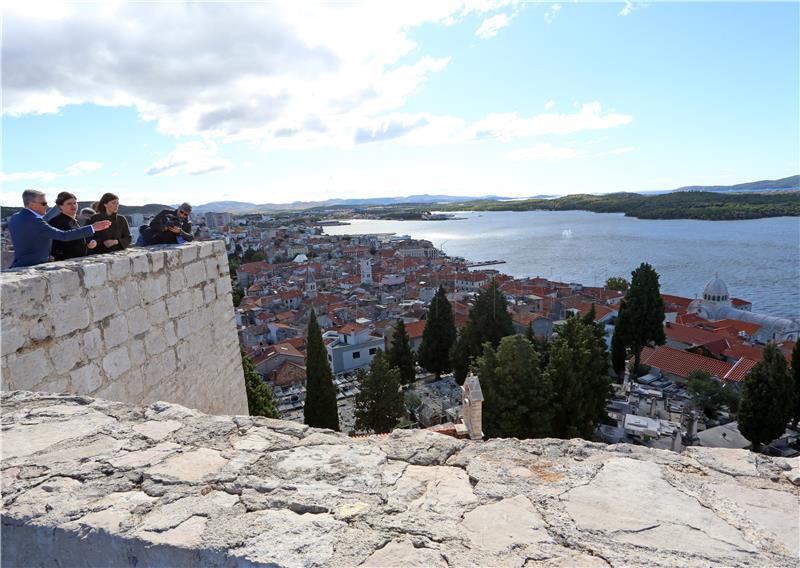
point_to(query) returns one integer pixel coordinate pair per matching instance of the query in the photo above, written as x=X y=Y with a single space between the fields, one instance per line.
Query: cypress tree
x=644 y=324
x=490 y=321
x=320 y=408
x=517 y=398
x=400 y=354
x=529 y=333
x=618 y=342
x=260 y=398
x=379 y=404
x=796 y=377
x=766 y=404
x=577 y=372
x=438 y=336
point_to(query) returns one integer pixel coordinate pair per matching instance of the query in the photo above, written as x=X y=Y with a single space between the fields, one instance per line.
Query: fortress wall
x=136 y=326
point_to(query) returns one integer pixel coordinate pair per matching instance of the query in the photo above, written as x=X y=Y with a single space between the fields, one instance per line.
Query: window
x=373 y=350
x=356 y=354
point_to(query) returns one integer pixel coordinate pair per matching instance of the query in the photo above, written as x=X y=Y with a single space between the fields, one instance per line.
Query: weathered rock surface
x=88 y=482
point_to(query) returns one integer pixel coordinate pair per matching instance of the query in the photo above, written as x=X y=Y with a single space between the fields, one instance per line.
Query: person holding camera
x=169 y=227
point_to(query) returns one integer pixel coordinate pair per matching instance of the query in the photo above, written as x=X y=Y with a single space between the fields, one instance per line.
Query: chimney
x=691 y=434
x=676 y=441
x=471 y=407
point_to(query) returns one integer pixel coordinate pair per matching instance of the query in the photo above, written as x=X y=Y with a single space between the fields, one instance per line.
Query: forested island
x=705 y=205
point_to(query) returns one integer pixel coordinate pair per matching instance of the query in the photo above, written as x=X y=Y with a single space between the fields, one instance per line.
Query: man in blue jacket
x=33 y=237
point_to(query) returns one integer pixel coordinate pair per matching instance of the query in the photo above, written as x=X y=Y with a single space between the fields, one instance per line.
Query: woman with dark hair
x=118 y=235
x=66 y=220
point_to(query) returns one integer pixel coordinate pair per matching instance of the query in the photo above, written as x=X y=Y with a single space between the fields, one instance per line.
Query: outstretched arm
x=50 y=232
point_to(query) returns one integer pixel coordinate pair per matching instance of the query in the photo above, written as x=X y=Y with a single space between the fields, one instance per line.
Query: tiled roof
x=415 y=329
x=738 y=350
x=351 y=328
x=748 y=328
x=739 y=370
x=690 y=335
x=682 y=363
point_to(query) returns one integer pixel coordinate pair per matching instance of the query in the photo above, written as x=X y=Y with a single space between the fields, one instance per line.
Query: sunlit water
x=758 y=259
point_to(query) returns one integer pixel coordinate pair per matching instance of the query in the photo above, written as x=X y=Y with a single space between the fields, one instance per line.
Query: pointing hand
x=101 y=225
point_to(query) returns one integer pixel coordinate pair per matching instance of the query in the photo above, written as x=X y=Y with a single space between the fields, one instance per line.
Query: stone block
x=188 y=254
x=157 y=260
x=120 y=268
x=40 y=329
x=128 y=295
x=155 y=342
x=179 y=304
x=195 y=273
x=69 y=315
x=61 y=283
x=65 y=354
x=212 y=267
x=11 y=338
x=54 y=384
x=115 y=331
x=103 y=303
x=223 y=286
x=209 y=293
x=138 y=322
x=205 y=248
x=168 y=363
x=93 y=344
x=153 y=288
x=116 y=362
x=28 y=369
x=86 y=379
x=219 y=246
x=183 y=327
x=177 y=281
x=174 y=259
x=94 y=274
x=157 y=312
x=137 y=353
x=198 y=301
x=169 y=334
x=140 y=263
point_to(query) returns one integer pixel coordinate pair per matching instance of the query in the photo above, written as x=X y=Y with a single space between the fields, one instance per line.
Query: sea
x=758 y=259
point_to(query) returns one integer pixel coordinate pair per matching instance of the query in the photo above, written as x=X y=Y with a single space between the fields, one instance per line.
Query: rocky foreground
x=89 y=482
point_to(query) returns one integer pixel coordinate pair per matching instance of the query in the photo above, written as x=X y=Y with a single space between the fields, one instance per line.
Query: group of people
x=96 y=230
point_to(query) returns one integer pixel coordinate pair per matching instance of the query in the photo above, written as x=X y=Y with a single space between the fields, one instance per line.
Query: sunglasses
x=41 y=203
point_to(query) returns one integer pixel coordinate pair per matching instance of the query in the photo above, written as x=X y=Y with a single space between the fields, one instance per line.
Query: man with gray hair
x=33 y=237
x=169 y=227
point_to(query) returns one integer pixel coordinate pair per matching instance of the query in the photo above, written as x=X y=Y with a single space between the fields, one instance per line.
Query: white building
x=715 y=304
x=352 y=347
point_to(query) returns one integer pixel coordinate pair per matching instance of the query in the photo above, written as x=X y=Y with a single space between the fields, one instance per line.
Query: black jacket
x=156 y=232
x=118 y=230
x=62 y=250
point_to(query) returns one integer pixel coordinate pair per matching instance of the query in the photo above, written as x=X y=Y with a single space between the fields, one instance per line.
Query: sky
x=164 y=102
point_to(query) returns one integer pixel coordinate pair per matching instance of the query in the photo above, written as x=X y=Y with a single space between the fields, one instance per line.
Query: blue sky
x=299 y=101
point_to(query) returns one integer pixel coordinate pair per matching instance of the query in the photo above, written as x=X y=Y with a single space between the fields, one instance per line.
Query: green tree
x=766 y=403
x=618 y=342
x=438 y=336
x=379 y=404
x=709 y=394
x=644 y=324
x=400 y=354
x=617 y=283
x=490 y=321
x=796 y=377
x=237 y=293
x=577 y=372
x=320 y=408
x=260 y=398
x=517 y=397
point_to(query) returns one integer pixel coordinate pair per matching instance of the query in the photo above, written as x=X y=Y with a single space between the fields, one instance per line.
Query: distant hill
x=787 y=183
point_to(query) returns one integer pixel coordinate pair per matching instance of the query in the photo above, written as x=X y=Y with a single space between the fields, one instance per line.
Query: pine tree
x=260 y=398
x=490 y=321
x=644 y=324
x=400 y=354
x=517 y=398
x=766 y=404
x=796 y=377
x=320 y=408
x=439 y=335
x=379 y=404
x=618 y=342
x=577 y=372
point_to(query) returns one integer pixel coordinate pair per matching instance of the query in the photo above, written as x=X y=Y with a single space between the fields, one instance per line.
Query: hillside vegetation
x=676 y=205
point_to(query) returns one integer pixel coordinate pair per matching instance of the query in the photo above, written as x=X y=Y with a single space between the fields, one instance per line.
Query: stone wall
x=92 y=483
x=137 y=326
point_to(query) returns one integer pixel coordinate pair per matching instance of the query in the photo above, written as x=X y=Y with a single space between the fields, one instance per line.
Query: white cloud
x=551 y=14
x=76 y=169
x=549 y=104
x=294 y=74
x=193 y=158
x=629 y=7
x=490 y=26
x=83 y=167
x=545 y=152
x=506 y=126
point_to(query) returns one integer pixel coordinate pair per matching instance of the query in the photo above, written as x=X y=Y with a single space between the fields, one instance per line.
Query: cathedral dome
x=716 y=290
